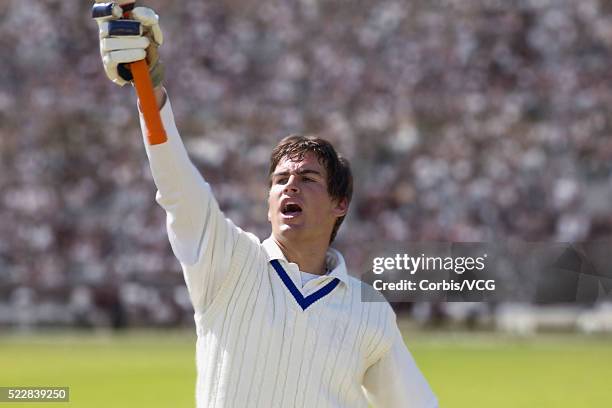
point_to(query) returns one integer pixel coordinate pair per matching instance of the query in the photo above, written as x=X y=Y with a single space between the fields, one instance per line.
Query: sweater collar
x=334 y=260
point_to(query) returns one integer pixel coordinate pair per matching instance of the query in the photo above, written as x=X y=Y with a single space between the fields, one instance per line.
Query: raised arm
x=200 y=236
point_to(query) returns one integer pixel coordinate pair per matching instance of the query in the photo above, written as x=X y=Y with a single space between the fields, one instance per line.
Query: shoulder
x=247 y=251
x=374 y=305
x=366 y=291
x=375 y=315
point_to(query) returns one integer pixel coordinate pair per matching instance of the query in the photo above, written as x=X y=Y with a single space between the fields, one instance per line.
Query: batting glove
x=117 y=50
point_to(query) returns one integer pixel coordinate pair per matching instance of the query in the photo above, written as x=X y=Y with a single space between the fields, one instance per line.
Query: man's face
x=299 y=206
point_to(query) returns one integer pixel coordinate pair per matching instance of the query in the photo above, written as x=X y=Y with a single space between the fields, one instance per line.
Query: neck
x=310 y=257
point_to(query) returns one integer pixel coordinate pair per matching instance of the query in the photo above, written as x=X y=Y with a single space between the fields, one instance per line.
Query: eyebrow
x=299 y=172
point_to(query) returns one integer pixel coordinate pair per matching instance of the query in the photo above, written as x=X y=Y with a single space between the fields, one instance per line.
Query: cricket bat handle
x=156 y=134
x=107 y=11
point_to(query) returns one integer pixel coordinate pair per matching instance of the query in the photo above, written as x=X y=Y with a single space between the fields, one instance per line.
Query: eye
x=308 y=179
x=281 y=180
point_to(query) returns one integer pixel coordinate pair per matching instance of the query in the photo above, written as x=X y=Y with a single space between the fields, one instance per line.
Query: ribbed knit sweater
x=263 y=340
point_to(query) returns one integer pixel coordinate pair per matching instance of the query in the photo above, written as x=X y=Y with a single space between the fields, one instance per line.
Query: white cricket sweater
x=262 y=339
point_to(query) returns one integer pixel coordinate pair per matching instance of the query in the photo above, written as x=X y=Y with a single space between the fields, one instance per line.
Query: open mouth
x=291 y=210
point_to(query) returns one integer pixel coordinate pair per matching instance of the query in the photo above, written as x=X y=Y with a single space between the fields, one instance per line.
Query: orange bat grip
x=144 y=89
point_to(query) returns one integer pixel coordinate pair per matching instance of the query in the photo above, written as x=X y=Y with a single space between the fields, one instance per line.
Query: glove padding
x=119 y=50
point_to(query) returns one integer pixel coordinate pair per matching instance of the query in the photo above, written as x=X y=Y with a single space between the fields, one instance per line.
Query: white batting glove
x=117 y=50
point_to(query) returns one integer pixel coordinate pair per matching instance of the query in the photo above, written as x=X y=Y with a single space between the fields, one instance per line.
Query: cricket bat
x=142 y=82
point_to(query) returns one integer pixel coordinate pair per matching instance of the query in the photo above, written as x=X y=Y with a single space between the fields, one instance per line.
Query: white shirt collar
x=333 y=259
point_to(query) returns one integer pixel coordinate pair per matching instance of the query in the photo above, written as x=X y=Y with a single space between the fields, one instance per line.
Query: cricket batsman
x=280 y=323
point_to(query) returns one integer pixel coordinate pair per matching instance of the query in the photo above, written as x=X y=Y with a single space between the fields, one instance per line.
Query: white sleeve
x=201 y=237
x=395 y=381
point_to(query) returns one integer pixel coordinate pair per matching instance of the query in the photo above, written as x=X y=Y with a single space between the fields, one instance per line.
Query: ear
x=340 y=207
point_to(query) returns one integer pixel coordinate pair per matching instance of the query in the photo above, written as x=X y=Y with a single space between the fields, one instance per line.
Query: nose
x=292 y=185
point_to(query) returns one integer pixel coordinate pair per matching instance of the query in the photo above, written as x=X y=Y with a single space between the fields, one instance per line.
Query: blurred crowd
x=464 y=120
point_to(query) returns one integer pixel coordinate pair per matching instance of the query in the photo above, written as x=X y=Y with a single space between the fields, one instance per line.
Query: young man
x=279 y=323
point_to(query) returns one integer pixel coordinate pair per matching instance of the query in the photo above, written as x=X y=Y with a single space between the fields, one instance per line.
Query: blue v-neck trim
x=304 y=302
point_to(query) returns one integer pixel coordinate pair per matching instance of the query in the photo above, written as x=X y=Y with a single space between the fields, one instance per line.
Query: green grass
x=488 y=370
x=157 y=369
x=152 y=369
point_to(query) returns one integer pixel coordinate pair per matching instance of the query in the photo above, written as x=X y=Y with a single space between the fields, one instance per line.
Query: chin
x=289 y=229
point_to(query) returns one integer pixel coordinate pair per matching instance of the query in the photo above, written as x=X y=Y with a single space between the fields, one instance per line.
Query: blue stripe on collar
x=304 y=302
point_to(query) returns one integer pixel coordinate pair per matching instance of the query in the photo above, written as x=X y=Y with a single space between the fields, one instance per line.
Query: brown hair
x=339 y=176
